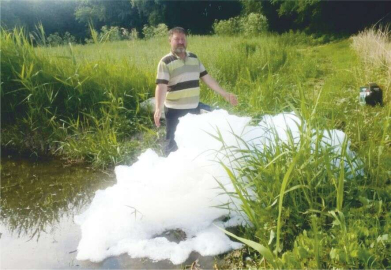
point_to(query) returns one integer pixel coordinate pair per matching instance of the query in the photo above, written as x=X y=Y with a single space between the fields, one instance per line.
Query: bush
x=68 y=38
x=161 y=30
x=56 y=40
x=228 y=27
x=250 y=25
x=253 y=24
x=114 y=33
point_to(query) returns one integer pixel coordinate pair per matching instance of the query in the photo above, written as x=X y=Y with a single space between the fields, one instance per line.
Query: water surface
x=38 y=202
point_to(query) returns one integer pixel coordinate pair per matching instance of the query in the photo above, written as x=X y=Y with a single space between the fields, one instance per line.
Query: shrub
x=250 y=25
x=114 y=33
x=56 y=40
x=68 y=38
x=161 y=30
x=228 y=27
x=131 y=35
x=253 y=24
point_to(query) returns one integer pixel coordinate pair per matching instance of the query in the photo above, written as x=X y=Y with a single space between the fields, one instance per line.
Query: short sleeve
x=203 y=71
x=163 y=75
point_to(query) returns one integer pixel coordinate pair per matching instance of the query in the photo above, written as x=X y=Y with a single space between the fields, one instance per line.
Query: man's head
x=177 y=39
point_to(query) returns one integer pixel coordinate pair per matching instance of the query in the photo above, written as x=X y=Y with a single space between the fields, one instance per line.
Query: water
x=39 y=200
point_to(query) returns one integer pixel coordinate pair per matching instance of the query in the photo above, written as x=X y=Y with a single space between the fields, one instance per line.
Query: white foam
x=158 y=194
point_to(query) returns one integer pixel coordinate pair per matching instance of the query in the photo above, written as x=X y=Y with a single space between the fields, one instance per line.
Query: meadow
x=82 y=103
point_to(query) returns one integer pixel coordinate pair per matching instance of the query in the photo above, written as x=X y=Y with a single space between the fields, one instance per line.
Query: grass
x=307 y=203
x=374 y=47
x=82 y=102
x=51 y=99
x=308 y=213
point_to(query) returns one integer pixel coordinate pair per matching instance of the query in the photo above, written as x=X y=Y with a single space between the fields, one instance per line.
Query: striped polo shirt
x=182 y=78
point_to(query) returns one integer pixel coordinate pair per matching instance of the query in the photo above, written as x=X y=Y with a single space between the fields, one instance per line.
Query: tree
x=320 y=16
x=196 y=16
x=55 y=16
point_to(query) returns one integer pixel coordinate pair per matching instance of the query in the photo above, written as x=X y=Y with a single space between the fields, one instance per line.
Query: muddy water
x=38 y=202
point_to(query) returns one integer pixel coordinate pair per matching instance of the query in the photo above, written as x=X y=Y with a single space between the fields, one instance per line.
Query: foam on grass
x=157 y=194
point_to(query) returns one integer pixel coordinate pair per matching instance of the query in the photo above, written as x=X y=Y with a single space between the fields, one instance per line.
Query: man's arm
x=211 y=83
x=160 y=95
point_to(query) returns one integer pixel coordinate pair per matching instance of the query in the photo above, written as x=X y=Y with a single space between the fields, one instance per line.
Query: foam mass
x=159 y=194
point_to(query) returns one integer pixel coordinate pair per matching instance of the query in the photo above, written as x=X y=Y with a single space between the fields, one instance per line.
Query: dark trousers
x=172 y=120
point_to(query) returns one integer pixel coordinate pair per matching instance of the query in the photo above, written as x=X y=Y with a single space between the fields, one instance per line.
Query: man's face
x=178 y=43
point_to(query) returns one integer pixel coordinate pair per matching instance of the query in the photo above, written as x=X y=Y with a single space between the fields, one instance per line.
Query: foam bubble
x=158 y=194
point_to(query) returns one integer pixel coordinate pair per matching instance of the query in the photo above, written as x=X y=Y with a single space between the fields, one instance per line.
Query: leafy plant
x=252 y=24
x=161 y=30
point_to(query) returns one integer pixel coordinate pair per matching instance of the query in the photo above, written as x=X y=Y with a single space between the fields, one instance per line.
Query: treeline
x=321 y=16
x=74 y=16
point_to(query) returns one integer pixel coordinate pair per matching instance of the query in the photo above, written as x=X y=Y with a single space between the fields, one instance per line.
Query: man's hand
x=232 y=99
x=209 y=81
x=158 y=114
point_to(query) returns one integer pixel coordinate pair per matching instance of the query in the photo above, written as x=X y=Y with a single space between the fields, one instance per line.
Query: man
x=177 y=85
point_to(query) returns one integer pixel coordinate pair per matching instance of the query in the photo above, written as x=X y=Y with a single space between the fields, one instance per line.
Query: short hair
x=176 y=30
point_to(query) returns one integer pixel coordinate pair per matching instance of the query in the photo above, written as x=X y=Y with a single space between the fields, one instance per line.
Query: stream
x=39 y=199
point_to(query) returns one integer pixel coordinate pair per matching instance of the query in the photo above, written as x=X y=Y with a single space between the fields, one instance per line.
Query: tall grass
x=309 y=213
x=306 y=204
x=48 y=100
x=45 y=90
x=373 y=46
x=55 y=100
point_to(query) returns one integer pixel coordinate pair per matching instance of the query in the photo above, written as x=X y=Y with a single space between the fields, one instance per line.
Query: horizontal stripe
x=169 y=58
x=158 y=81
x=187 y=70
x=174 y=65
x=172 y=57
x=188 y=76
x=192 y=55
x=183 y=93
x=183 y=103
x=203 y=73
x=192 y=61
x=180 y=63
x=184 y=85
x=163 y=75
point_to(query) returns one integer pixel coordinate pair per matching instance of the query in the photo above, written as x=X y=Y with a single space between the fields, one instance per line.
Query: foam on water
x=158 y=194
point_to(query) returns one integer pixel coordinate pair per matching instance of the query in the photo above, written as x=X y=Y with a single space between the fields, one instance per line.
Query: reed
x=45 y=95
x=373 y=46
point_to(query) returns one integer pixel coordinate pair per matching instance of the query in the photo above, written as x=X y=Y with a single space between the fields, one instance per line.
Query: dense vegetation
x=82 y=102
x=319 y=17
